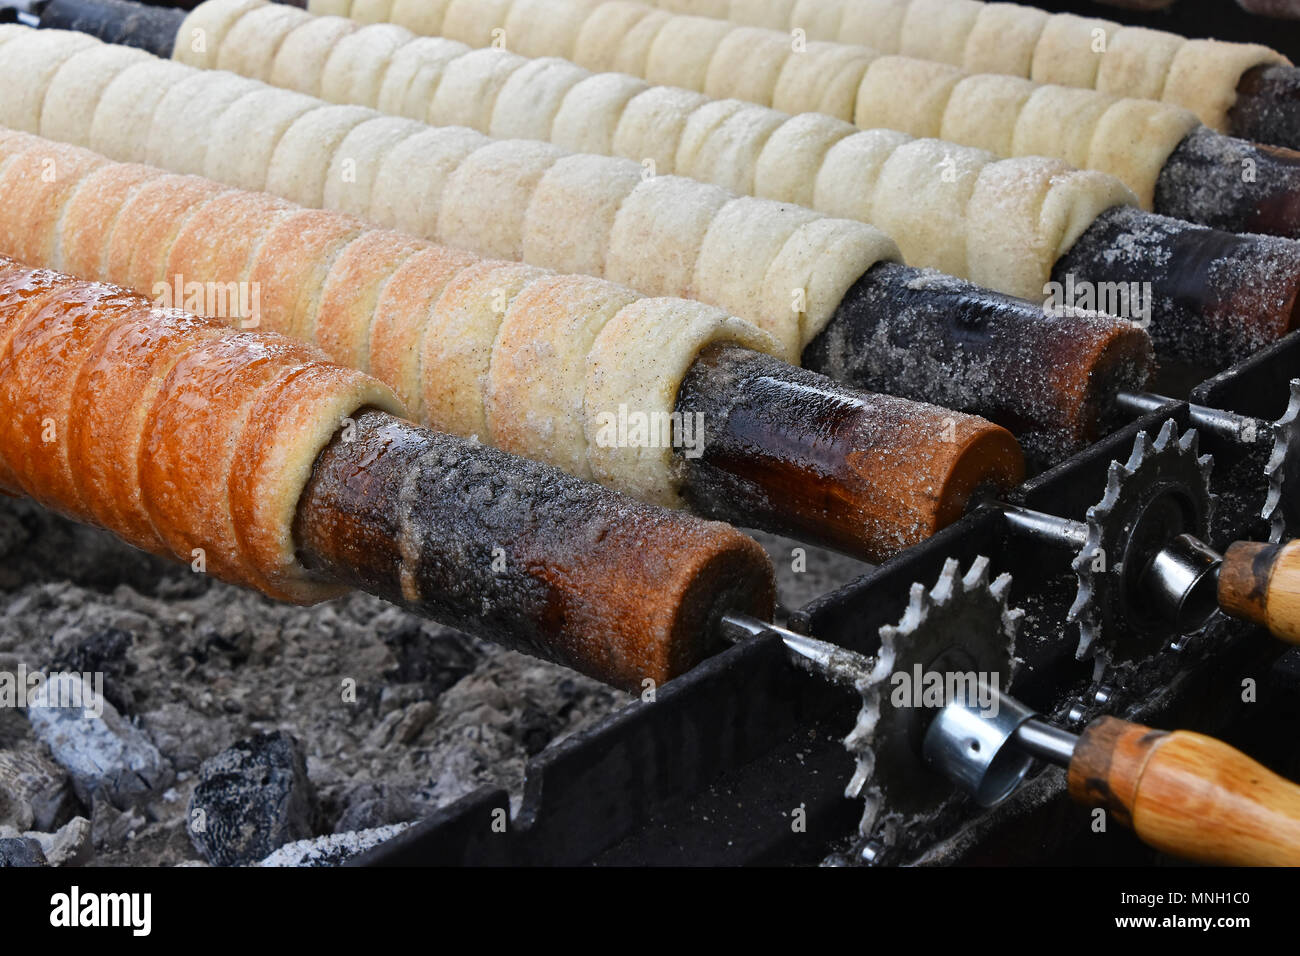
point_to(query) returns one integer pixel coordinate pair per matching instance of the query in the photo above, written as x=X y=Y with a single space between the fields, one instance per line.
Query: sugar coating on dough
x=199 y=39
x=27 y=69
x=124 y=116
x=531 y=97
x=302 y=164
x=300 y=61
x=577 y=189
x=256 y=122
x=538 y=376
x=920 y=112
x=824 y=78
x=653 y=124
x=68 y=109
x=485 y=202
x=350 y=183
x=412 y=178
x=788 y=164
x=667 y=216
x=467 y=95
x=1204 y=74
x=591 y=111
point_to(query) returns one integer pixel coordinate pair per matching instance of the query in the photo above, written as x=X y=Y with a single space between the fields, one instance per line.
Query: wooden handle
x=1261 y=583
x=1187 y=794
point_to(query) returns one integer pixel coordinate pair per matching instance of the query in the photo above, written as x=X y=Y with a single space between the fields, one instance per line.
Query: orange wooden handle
x=1261 y=583
x=1187 y=794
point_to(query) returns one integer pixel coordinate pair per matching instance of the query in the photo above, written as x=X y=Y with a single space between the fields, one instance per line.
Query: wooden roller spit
x=1173 y=164
x=1007 y=224
x=249 y=453
x=570 y=370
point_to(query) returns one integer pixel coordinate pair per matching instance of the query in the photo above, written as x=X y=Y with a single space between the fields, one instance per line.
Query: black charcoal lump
x=251 y=799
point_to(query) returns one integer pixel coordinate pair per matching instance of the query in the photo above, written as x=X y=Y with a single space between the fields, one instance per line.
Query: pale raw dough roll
x=244 y=138
x=1070 y=50
x=633 y=50
x=540 y=28
x=301 y=58
x=1059 y=121
x=250 y=46
x=585 y=189
x=467 y=95
x=1003 y=38
x=728 y=155
x=722 y=141
x=597 y=44
x=743 y=240
x=286 y=433
x=877 y=24
x=769 y=14
x=477 y=22
x=371 y=11
x=824 y=79
x=983 y=111
x=787 y=167
x=485 y=203
x=1137 y=62
x=531 y=97
x=908 y=95
x=300 y=169
x=124 y=116
x=921 y=198
x=539 y=368
x=414 y=74
x=292 y=264
x=822 y=260
x=402 y=316
x=1027 y=213
x=682 y=50
x=458 y=345
x=412 y=178
x=938 y=29
x=420 y=16
x=658 y=232
x=638 y=361
x=748 y=64
x=329 y=8
x=819 y=19
x=199 y=40
x=653 y=124
x=350 y=184
x=846 y=182
x=352 y=291
x=1204 y=75
x=590 y=113
x=68 y=109
x=26 y=70
x=355 y=69
x=177 y=139
x=1134 y=139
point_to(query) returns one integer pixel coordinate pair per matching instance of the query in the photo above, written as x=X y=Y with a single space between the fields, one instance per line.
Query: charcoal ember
x=112 y=829
x=104 y=754
x=102 y=652
x=34 y=792
x=374 y=804
x=434 y=660
x=70 y=845
x=251 y=799
x=20 y=851
x=331 y=849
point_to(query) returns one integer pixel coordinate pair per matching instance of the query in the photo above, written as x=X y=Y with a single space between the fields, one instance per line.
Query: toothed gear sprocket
x=1163 y=490
x=961 y=625
x=1282 y=504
